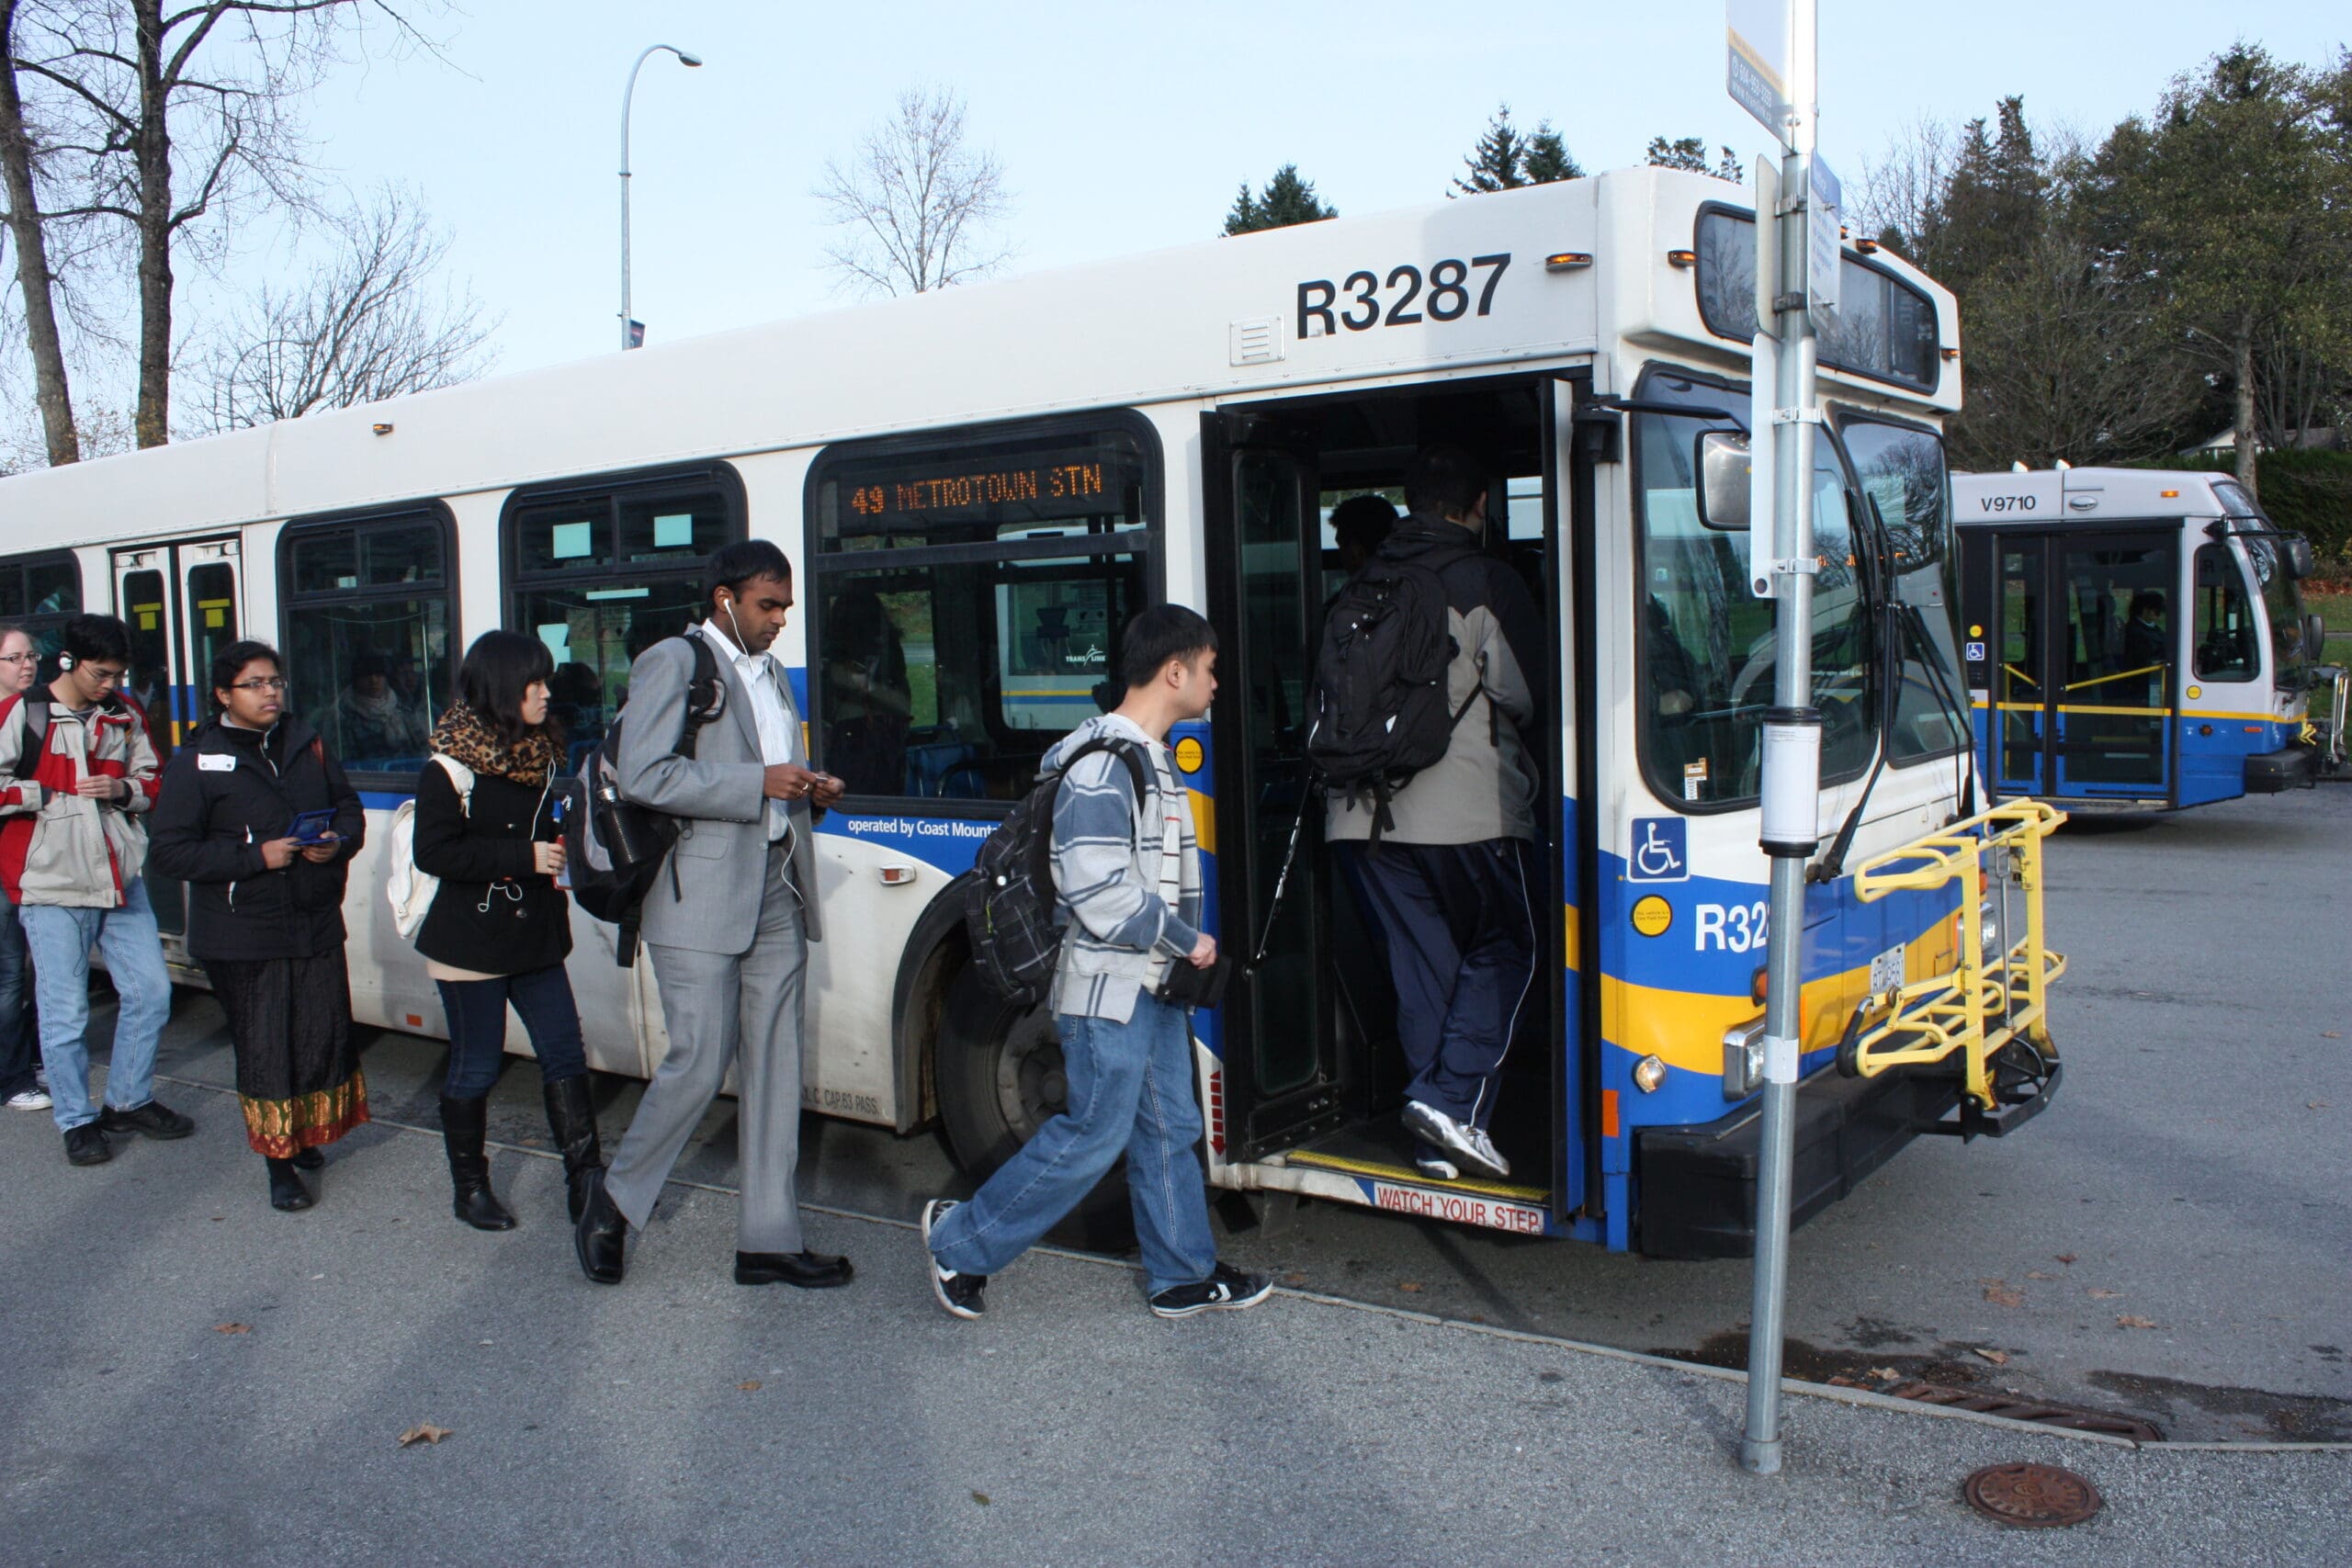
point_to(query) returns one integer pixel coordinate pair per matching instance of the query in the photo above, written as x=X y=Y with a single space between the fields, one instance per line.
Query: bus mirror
x=2299 y=556
x=1722 y=462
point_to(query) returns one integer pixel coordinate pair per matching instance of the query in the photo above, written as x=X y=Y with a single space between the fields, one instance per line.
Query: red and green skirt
x=298 y=1070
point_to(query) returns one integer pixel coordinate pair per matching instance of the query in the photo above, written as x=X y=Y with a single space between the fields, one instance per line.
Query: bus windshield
x=1706 y=657
x=1902 y=473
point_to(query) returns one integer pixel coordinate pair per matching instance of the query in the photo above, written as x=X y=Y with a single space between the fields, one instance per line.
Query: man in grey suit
x=729 y=934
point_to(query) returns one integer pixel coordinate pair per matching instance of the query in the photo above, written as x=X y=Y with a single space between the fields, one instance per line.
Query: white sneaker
x=1435 y=1167
x=1471 y=1146
x=29 y=1100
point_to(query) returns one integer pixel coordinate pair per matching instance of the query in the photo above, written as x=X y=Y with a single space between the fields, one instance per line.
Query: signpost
x=1771 y=74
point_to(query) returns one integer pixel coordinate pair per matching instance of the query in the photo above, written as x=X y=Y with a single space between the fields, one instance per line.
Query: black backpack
x=1009 y=903
x=616 y=847
x=36 y=737
x=1378 y=713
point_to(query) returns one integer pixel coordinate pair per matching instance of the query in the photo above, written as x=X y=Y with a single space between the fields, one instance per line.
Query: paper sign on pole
x=1825 y=210
x=1757 y=63
x=1764 y=369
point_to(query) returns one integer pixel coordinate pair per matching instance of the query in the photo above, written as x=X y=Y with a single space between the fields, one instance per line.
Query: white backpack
x=411 y=890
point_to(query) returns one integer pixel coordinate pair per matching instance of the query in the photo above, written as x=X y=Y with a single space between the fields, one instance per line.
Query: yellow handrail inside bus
x=2022 y=676
x=1999 y=989
x=2103 y=679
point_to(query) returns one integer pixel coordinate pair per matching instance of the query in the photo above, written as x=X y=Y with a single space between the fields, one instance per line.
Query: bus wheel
x=999 y=1076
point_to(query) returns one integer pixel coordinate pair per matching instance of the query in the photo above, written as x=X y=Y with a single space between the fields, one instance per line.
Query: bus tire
x=999 y=1079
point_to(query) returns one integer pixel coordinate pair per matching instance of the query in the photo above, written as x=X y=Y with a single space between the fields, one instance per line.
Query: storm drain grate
x=2032 y=1496
x=2018 y=1409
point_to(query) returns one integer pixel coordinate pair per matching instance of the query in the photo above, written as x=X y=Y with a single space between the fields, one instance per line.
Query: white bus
x=978 y=487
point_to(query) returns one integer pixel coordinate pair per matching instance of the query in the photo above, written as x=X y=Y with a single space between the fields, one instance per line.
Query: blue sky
x=1122 y=128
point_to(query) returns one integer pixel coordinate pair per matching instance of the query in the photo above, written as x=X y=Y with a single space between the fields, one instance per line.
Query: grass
x=2332 y=600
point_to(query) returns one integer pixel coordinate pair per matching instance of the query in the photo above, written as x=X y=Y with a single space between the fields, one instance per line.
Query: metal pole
x=1792 y=785
x=628 y=93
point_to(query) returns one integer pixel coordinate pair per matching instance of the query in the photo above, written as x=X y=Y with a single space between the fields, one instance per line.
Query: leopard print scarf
x=465 y=735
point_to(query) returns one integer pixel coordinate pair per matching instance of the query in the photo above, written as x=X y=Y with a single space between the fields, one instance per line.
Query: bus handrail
x=2122 y=675
x=1997 y=990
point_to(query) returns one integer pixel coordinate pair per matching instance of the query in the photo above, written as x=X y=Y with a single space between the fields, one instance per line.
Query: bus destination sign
x=1042 y=490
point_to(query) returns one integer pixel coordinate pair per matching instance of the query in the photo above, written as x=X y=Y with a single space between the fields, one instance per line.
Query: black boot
x=572 y=1119
x=286 y=1188
x=463 y=1122
x=602 y=1233
x=310 y=1159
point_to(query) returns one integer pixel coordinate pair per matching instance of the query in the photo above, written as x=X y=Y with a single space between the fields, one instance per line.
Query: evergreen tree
x=1287 y=199
x=1505 y=160
x=1690 y=153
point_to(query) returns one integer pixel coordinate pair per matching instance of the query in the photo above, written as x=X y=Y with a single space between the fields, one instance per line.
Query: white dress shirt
x=771 y=711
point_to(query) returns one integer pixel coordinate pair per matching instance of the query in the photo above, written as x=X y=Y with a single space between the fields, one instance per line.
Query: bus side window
x=2225 y=648
x=365 y=618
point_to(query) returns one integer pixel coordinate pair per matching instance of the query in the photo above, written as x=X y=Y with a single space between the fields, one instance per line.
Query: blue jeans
x=61 y=940
x=477 y=1010
x=1130 y=1090
x=16 y=1018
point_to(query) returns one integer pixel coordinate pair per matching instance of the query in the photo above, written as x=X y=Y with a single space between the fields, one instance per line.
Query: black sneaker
x=958 y=1294
x=86 y=1145
x=1226 y=1288
x=156 y=1119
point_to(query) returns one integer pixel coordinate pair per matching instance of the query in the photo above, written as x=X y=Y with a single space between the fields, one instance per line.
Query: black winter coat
x=207 y=831
x=493 y=914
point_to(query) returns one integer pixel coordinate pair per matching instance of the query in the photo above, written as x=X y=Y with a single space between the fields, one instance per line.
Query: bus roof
x=2088 y=497
x=1224 y=318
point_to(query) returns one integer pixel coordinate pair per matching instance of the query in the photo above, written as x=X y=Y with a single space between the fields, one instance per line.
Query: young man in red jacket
x=77 y=774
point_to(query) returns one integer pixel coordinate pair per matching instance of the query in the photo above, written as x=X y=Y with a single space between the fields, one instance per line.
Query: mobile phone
x=312 y=827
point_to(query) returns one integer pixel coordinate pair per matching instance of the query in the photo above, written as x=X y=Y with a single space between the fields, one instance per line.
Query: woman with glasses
x=257 y=819
x=488 y=816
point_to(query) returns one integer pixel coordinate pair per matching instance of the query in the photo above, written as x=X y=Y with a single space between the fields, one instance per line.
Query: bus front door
x=2110 y=638
x=2021 y=716
x=180 y=603
x=1282 y=1067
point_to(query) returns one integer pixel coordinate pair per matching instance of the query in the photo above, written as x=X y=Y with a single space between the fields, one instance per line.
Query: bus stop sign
x=1757 y=63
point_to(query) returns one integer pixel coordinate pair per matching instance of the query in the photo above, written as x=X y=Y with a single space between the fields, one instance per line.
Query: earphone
x=65 y=661
x=731 y=621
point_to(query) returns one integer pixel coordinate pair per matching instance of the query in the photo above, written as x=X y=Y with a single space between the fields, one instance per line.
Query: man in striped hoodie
x=1128 y=876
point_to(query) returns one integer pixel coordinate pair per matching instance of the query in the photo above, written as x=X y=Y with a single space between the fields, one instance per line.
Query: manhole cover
x=2034 y=1496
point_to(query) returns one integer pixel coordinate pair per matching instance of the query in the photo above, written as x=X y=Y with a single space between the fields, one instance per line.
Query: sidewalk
x=682 y=1418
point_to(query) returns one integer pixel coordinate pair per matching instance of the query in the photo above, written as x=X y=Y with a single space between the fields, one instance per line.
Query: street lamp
x=626 y=93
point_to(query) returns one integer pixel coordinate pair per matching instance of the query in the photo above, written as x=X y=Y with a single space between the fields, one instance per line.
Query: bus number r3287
x=1446 y=299
x=1733 y=927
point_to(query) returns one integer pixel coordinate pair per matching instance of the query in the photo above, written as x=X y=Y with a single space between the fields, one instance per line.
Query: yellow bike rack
x=2000 y=990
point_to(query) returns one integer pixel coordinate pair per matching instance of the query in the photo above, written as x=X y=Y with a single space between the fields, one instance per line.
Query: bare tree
x=176 y=121
x=1898 y=195
x=916 y=203
x=26 y=233
x=372 y=322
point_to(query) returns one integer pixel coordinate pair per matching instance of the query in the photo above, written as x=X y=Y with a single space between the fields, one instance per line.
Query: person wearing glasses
x=21 y=1086
x=80 y=778
x=259 y=821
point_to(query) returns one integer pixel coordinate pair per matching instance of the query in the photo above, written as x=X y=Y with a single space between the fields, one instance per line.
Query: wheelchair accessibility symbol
x=1661 y=850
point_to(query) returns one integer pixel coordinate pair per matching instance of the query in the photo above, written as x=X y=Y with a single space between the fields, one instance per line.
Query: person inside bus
x=374 y=725
x=868 y=701
x=1452 y=885
x=1358 y=525
x=500 y=926
x=2147 y=641
x=73 y=852
x=264 y=914
x=21 y=1084
x=1128 y=881
x=727 y=925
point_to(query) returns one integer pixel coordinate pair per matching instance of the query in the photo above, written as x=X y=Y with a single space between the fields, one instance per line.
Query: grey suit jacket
x=721 y=858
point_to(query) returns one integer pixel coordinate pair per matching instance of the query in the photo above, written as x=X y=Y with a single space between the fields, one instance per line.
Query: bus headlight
x=1744 y=1058
x=1648 y=1073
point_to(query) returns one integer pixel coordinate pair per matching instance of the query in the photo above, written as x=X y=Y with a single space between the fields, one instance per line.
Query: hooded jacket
x=1111 y=875
x=1486 y=785
x=60 y=847
x=224 y=793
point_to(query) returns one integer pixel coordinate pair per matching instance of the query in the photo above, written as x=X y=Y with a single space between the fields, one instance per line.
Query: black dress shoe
x=810 y=1271
x=310 y=1159
x=287 y=1192
x=602 y=1235
x=156 y=1119
x=86 y=1145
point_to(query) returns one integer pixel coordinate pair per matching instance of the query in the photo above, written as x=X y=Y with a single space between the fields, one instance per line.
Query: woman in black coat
x=266 y=909
x=498 y=931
